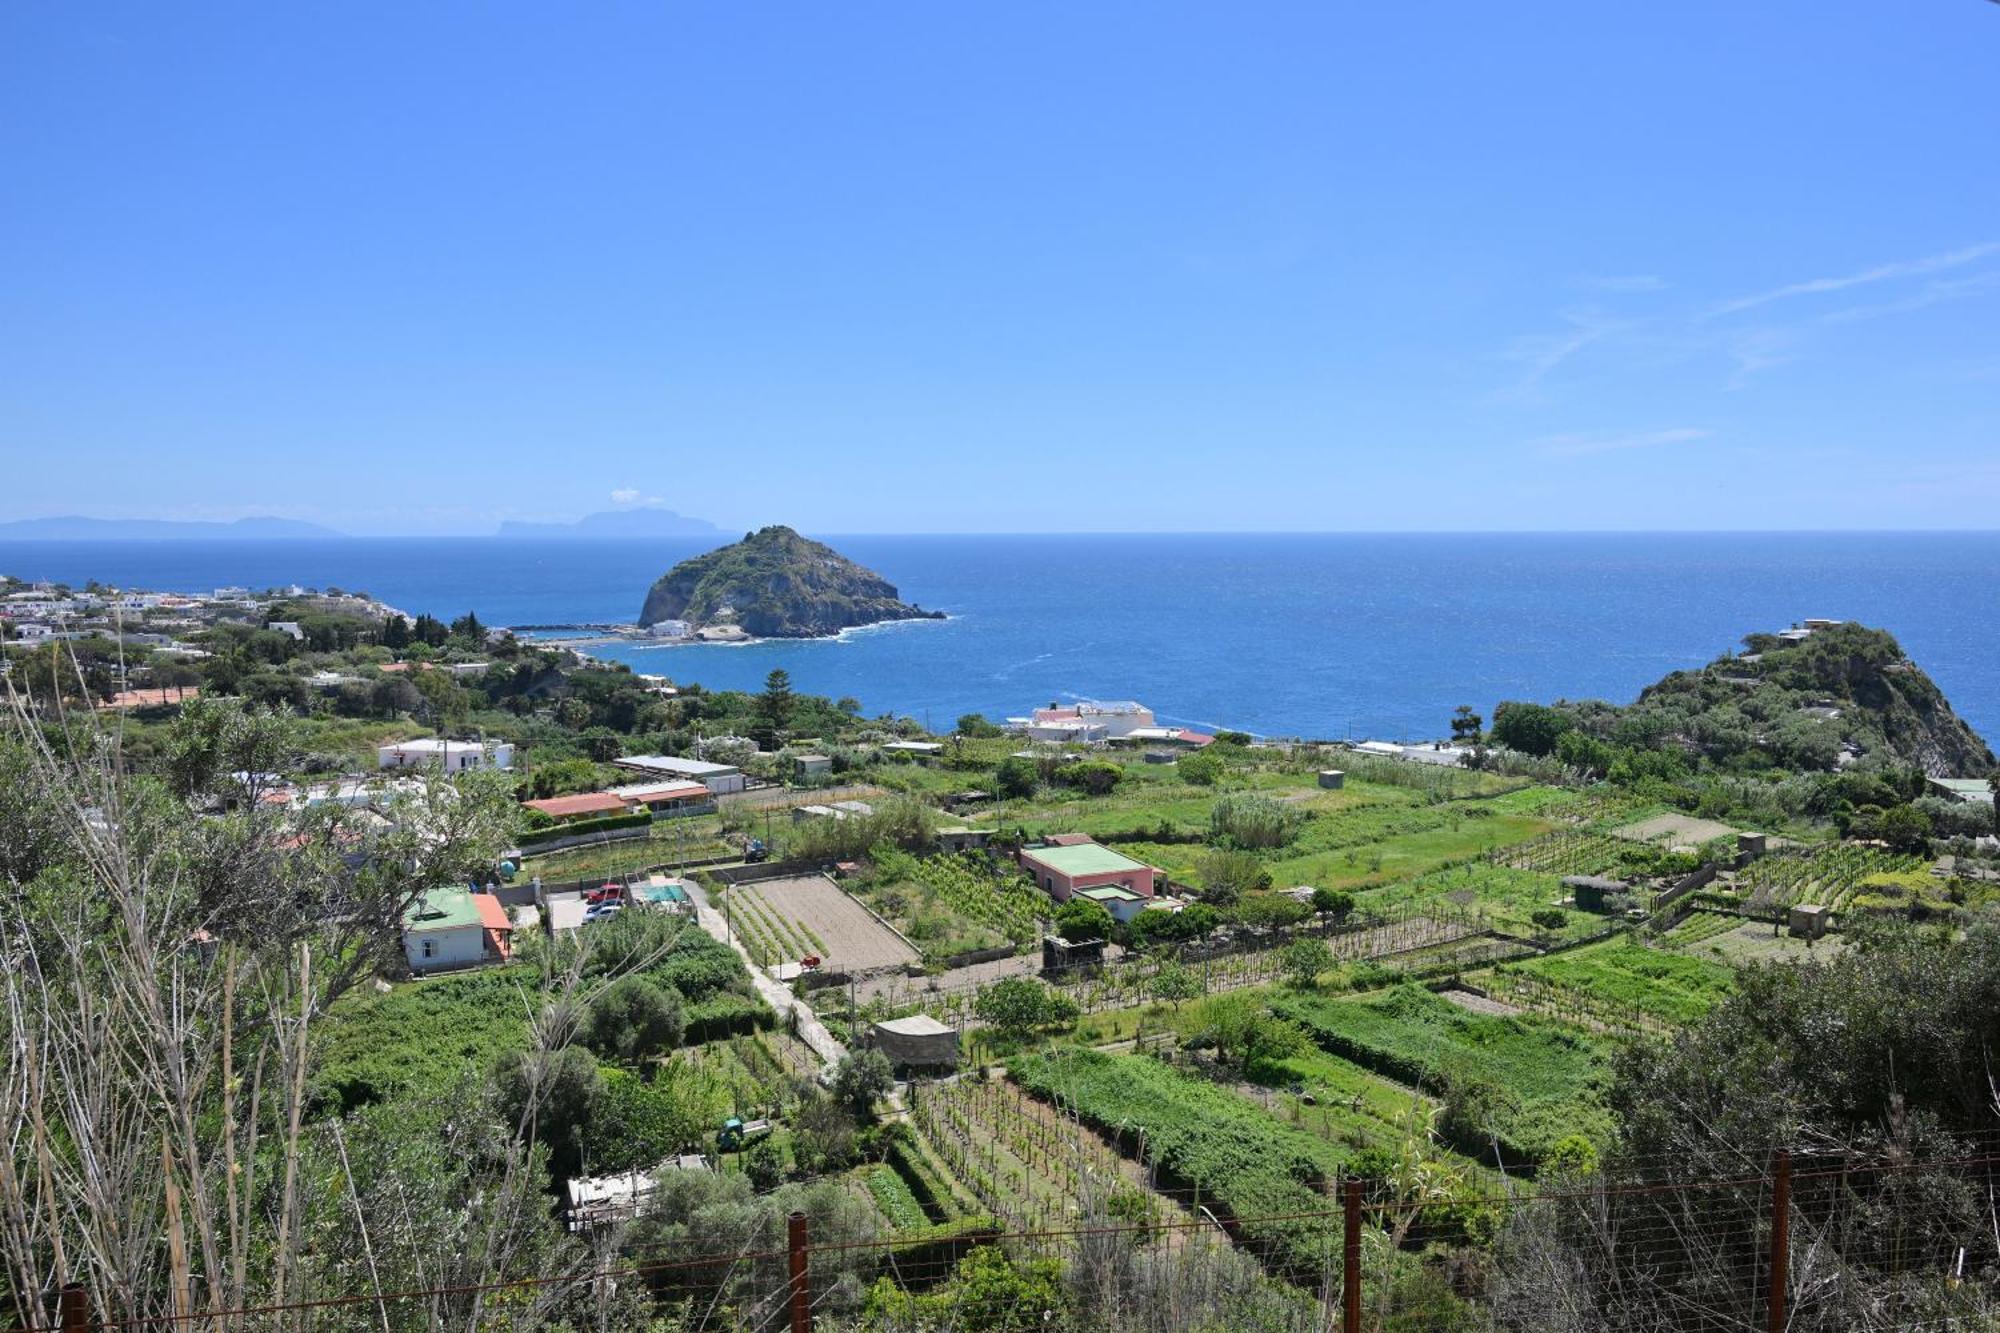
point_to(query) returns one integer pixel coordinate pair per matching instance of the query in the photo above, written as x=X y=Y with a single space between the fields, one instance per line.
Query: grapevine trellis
x=987 y=894
x=1572 y=1003
x=1021 y=1164
x=1565 y=852
x=1829 y=874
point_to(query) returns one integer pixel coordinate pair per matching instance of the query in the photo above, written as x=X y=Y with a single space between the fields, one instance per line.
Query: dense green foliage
x=1519 y=1082
x=1221 y=1144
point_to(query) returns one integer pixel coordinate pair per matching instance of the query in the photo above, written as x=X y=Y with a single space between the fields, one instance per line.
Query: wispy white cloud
x=1583 y=445
x=1933 y=293
x=1902 y=268
x=1543 y=353
x=625 y=495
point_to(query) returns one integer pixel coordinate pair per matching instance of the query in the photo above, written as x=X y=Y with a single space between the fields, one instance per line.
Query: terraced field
x=1552 y=1074
x=1620 y=984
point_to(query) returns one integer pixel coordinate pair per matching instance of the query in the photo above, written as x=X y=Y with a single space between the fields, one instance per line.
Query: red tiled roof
x=491 y=914
x=567 y=807
x=1195 y=737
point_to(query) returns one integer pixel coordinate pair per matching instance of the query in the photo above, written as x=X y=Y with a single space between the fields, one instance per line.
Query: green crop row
x=1235 y=1155
x=1625 y=973
x=1519 y=1082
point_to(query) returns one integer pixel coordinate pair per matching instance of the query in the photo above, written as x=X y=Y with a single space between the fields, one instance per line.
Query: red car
x=610 y=893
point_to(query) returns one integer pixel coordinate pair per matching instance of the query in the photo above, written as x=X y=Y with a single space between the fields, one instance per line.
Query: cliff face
x=1846 y=688
x=776 y=584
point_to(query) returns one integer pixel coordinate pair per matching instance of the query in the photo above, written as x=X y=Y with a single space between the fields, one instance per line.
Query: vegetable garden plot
x=1620 y=984
x=804 y=914
x=1537 y=1080
x=1239 y=1159
x=1025 y=1162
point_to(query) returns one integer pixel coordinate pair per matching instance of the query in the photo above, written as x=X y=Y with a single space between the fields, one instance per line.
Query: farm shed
x=1807 y=921
x=1333 y=779
x=1590 y=891
x=917 y=1040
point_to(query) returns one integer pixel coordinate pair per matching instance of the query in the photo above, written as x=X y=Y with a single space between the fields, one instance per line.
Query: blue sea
x=1307 y=635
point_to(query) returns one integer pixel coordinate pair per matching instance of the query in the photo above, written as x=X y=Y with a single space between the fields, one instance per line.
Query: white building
x=718 y=778
x=31 y=632
x=1088 y=723
x=1117 y=717
x=450 y=927
x=447 y=756
x=290 y=627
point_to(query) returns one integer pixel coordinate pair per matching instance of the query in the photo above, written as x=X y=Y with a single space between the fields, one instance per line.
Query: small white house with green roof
x=1069 y=863
x=451 y=927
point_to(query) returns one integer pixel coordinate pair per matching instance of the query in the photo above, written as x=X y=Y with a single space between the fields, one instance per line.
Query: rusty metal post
x=1781 y=1238
x=73 y=1308
x=1350 y=1275
x=801 y=1286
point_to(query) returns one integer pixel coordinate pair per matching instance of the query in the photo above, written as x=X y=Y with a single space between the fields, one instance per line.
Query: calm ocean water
x=1370 y=635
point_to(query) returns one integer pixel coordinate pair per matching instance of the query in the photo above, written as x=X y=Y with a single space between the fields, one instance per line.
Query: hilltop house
x=452 y=927
x=1070 y=863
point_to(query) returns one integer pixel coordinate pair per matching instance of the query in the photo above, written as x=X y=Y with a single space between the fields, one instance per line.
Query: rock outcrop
x=776 y=584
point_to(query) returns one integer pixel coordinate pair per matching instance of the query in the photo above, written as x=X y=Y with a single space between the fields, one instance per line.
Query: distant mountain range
x=616 y=523
x=72 y=528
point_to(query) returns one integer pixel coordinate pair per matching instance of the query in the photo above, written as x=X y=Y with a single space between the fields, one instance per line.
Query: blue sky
x=1025 y=267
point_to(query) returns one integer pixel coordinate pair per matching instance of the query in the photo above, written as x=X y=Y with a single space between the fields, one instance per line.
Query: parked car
x=602 y=912
x=609 y=893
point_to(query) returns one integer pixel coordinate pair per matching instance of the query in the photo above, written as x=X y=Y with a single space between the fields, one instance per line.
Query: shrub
x=1203 y=770
x=580 y=827
x=1254 y=821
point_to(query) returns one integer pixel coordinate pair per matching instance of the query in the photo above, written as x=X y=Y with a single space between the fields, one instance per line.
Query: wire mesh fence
x=1808 y=1243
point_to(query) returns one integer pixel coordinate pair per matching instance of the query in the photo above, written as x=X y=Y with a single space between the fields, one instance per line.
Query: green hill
x=1843 y=694
x=776 y=584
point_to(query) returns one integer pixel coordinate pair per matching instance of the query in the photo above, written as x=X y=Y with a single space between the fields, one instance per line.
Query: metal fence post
x=1350 y=1276
x=801 y=1287
x=73 y=1308
x=1781 y=1238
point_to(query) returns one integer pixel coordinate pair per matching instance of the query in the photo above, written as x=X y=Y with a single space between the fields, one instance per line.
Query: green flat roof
x=442 y=909
x=1113 y=892
x=1085 y=858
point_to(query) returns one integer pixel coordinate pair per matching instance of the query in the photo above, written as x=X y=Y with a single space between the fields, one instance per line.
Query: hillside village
x=1074 y=967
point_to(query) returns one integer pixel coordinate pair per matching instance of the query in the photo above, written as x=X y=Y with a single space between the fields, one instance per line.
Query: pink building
x=1071 y=863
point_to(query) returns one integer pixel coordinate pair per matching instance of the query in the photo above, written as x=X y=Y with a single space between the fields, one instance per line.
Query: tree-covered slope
x=1846 y=693
x=776 y=584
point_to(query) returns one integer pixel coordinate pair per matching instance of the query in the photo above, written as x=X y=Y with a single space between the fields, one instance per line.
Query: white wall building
x=447 y=756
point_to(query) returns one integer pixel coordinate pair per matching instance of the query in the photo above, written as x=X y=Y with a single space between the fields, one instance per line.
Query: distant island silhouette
x=615 y=523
